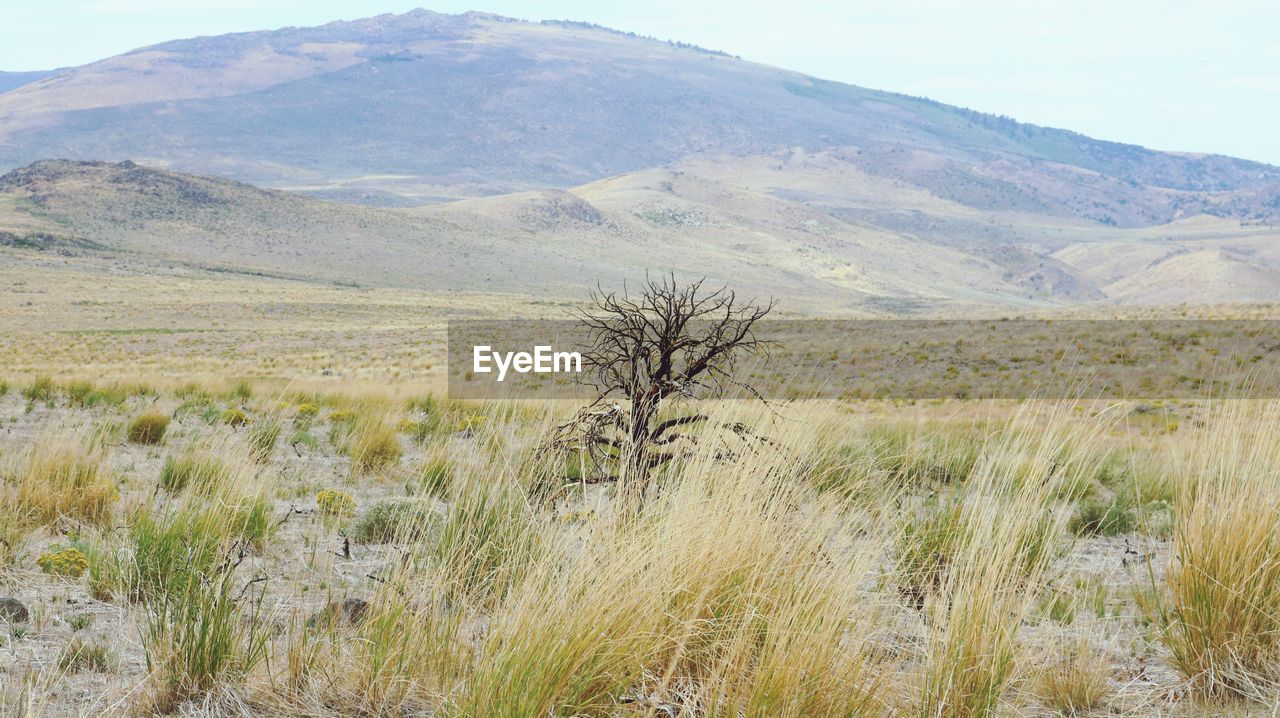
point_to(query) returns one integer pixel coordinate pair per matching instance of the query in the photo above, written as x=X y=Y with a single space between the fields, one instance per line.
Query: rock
x=12 y=610
x=348 y=611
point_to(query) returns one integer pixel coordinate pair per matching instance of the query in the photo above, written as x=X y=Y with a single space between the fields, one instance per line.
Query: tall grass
x=718 y=599
x=1222 y=620
x=61 y=475
x=1002 y=550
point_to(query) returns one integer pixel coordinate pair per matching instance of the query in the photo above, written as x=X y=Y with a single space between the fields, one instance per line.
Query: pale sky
x=1172 y=75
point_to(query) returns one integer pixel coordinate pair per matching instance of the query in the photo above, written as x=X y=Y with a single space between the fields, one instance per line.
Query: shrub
x=305 y=438
x=1099 y=517
x=342 y=417
x=169 y=552
x=4 y=388
x=81 y=655
x=80 y=621
x=262 y=440
x=307 y=411
x=928 y=544
x=69 y=562
x=374 y=448
x=234 y=417
x=484 y=533
x=396 y=520
x=423 y=405
x=243 y=390
x=469 y=424
x=332 y=502
x=41 y=389
x=148 y=428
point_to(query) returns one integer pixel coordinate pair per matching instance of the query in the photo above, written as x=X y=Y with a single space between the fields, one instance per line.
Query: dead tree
x=666 y=344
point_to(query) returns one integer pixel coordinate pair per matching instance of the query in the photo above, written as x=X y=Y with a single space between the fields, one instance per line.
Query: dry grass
x=148 y=428
x=1222 y=619
x=1074 y=679
x=858 y=564
x=61 y=475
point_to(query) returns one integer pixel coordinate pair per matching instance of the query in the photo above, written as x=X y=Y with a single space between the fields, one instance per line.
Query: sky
x=1172 y=75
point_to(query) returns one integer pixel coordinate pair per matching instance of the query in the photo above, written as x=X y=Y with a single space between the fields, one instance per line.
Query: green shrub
x=302 y=437
x=262 y=440
x=931 y=542
x=1103 y=517
x=486 y=540
x=197 y=636
x=926 y=548
x=423 y=405
x=234 y=417
x=342 y=417
x=148 y=428
x=332 y=502
x=306 y=411
x=4 y=388
x=170 y=551
x=243 y=390
x=396 y=520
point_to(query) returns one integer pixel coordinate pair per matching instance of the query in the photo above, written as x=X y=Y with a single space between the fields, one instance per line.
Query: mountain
x=423 y=107
x=478 y=153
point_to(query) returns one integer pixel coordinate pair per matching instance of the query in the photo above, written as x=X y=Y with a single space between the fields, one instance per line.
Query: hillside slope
x=546 y=243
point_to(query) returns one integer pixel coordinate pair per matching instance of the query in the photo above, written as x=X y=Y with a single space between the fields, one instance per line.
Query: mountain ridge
x=481 y=104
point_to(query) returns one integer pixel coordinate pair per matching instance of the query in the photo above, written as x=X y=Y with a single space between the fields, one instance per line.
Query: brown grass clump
x=148 y=428
x=60 y=476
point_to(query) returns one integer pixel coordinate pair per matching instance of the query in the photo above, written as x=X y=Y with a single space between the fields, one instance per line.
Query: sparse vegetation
x=864 y=567
x=81 y=655
x=396 y=520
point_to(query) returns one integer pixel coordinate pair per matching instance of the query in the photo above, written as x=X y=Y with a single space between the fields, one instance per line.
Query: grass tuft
x=148 y=428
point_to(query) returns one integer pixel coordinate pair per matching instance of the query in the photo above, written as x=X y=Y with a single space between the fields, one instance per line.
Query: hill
x=822 y=241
